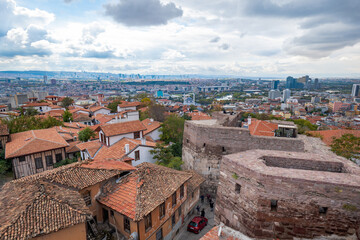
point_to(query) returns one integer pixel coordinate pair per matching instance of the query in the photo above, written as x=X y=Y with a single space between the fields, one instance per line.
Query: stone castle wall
x=205 y=142
x=299 y=197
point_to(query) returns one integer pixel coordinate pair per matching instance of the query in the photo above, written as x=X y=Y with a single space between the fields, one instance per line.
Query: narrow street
x=184 y=234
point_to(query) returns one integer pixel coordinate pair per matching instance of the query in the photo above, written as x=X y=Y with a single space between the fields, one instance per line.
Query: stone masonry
x=286 y=195
x=205 y=142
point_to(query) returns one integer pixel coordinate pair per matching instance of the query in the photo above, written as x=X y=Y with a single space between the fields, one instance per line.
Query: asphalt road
x=185 y=235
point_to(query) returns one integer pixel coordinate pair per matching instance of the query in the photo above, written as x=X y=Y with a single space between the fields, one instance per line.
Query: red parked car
x=196 y=224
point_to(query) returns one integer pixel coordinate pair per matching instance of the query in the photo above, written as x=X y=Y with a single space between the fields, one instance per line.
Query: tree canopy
x=66 y=102
x=164 y=156
x=172 y=129
x=113 y=105
x=157 y=111
x=67 y=116
x=86 y=134
x=24 y=123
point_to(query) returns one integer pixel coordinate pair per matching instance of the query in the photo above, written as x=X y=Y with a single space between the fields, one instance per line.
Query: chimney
x=127 y=148
x=151 y=120
x=249 y=120
x=143 y=141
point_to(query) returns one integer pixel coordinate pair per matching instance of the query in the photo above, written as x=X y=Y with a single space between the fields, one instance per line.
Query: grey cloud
x=328 y=25
x=35 y=33
x=224 y=46
x=91 y=32
x=142 y=12
x=215 y=39
x=99 y=54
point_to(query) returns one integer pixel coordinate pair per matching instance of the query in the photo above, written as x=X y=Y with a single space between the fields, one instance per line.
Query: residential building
x=274 y=94
x=95 y=110
x=3 y=108
x=35 y=151
x=56 y=204
x=112 y=133
x=124 y=106
x=148 y=203
x=286 y=94
x=41 y=107
x=152 y=129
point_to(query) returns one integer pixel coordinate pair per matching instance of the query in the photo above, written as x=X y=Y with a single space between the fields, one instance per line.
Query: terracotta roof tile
x=72 y=147
x=32 y=209
x=199 y=116
x=262 y=128
x=36 y=104
x=33 y=141
x=150 y=125
x=125 y=104
x=92 y=147
x=140 y=192
x=97 y=108
x=195 y=181
x=122 y=128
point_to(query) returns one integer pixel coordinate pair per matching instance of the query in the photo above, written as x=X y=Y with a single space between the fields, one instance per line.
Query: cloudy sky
x=233 y=37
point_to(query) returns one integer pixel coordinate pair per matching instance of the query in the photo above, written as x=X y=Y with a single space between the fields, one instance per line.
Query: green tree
x=67 y=116
x=157 y=111
x=164 y=157
x=146 y=101
x=86 y=134
x=31 y=111
x=66 y=102
x=144 y=115
x=65 y=162
x=347 y=146
x=24 y=123
x=140 y=96
x=113 y=105
x=192 y=108
x=172 y=129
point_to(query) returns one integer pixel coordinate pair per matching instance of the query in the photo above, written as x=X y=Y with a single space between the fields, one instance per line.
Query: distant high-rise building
x=315 y=99
x=286 y=94
x=53 y=81
x=290 y=82
x=274 y=94
x=355 y=90
x=304 y=81
x=316 y=83
x=45 y=79
x=275 y=84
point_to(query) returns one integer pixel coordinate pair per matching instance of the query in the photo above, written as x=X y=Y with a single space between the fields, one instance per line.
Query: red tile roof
x=328 y=135
x=36 y=104
x=122 y=128
x=262 y=128
x=198 y=116
x=29 y=210
x=97 y=108
x=150 y=125
x=125 y=104
x=92 y=147
x=139 y=193
x=34 y=141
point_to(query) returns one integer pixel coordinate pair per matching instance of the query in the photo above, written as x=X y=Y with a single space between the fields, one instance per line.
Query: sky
x=261 y=38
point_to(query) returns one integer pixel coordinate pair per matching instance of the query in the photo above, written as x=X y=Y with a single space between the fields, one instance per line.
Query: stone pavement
x=185 y=235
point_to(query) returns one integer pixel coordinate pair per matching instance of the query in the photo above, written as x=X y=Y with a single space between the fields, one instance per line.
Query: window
x=22 y=159
x=49 y=160
x=237 y=188
x=162 y=210
x=137 y=155
x=323 y=210
x=148 y=223
x=192 y=195
x=182 y=191
x=111 y=213
x=187 y=140
x=274 y=205
x=136 y=135
x=174 y=199
x=58 y=157
x=87 y=198
x=223 y=150
x=179 y=211
x=38 y=163
x=173 y=221
x=127 y=224
x=159 y=235
x=204 y=145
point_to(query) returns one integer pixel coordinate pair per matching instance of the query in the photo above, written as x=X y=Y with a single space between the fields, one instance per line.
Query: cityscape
x=183 y=120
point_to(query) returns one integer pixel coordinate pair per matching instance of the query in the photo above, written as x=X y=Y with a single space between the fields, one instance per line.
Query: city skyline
x=248 y=38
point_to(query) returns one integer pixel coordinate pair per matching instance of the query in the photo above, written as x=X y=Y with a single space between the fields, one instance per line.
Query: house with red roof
x=35 y=151
x=149 y=201
x=124 y=106
x=152 y=129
